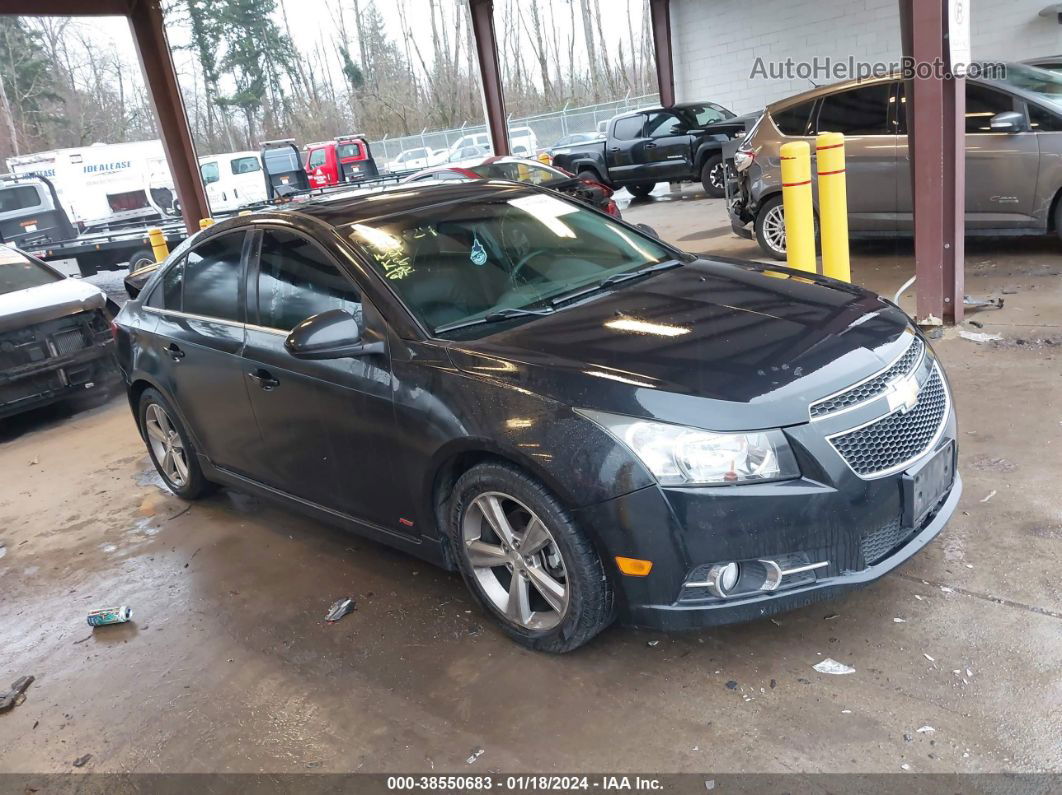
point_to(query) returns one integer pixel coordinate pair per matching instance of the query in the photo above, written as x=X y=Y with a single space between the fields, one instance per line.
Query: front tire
x=713 y=177
x=170 y=447
x=526 y=561
x=642 y=189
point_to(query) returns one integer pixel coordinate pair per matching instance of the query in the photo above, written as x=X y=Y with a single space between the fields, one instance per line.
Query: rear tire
x=170 y=447
x=141 y=258
x=554 y=599
x=713 y=177
x=642 y=189
x=590 y=175
x=770 y=228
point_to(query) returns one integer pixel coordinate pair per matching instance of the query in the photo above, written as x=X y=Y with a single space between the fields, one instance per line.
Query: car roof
x=351 y=208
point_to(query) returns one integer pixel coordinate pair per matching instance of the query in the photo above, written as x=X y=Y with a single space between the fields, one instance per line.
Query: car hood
x=47 y=302
x=714 y=344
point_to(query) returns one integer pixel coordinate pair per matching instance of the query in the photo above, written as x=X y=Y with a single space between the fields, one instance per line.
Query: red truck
x=346 y=159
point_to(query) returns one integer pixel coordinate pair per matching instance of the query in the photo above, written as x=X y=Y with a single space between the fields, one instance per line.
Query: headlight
x=681 y=456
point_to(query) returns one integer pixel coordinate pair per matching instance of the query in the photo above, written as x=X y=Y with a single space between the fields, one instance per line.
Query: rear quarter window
x=793 y=120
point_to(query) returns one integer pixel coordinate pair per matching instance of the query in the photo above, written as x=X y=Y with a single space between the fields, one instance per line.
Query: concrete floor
x=229 y=667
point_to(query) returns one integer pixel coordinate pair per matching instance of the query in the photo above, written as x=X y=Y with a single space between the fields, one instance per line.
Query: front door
x=862 y=114
x=199 y=335
x=1001 y=167
x=670 y=147
x=325 y=426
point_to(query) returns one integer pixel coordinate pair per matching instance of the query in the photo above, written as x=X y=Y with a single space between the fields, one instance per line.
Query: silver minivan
x=1013 y=157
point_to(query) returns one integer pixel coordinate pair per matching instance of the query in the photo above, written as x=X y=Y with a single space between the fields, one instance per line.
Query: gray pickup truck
x=651 y=145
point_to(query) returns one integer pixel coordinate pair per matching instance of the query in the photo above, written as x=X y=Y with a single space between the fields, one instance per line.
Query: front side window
x=860 y=111
x=245 y=165
x=317 y=158
x=661 y=125
x=463 y=261
x=628 y=128
x=297 y=280
x=982 y=103
x=1043 y=120
x=212 y=278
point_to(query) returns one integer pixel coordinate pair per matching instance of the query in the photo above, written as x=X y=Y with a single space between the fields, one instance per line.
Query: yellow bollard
x=796 y=204
x=833 y=206
x=205 y=222
x=158 y=244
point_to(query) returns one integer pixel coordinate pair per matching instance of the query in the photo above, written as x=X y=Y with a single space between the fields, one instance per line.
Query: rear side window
x=167 y=293
x=628 y=128
x=982 y=104
x=794 y=120
x=297 y=280
x=349 y=150
x=245 y=165
x=212 y=278
x=861 y=111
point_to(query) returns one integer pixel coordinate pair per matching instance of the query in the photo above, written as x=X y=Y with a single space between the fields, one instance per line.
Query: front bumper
x=58 y=378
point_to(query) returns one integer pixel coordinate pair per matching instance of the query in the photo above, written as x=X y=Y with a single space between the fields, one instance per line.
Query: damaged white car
x=56 y=337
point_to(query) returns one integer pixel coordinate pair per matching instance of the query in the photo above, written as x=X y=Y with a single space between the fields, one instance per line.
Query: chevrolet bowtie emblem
x=903 y=394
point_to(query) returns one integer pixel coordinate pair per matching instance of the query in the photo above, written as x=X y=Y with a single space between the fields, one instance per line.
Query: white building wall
x=716 y=42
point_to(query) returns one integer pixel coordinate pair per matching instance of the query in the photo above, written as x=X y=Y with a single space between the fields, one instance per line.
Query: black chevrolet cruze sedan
x=584 y=421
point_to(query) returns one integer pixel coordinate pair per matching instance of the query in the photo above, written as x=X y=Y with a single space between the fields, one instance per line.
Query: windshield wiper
x=614 y=279
x=494 y=317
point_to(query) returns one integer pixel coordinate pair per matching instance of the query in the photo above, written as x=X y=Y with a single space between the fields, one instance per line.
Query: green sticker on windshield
x=479 y=254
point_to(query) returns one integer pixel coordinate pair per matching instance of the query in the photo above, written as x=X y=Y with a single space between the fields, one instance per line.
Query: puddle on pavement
x=108 y=548
x=3 y=550
x=151 y=477
x=243 y=503
x=145 y=527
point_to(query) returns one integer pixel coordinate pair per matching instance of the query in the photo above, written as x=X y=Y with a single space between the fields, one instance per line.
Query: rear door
x=198 y=339
x=668 y=151
x=625 y=153
x=324 y=426
x=862 y=114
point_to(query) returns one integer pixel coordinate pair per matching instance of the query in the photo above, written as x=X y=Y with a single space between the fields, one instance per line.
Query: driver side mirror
x=1008 y=122
x=334 y=334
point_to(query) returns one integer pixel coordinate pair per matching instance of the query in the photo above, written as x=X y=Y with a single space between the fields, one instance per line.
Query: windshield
x=459 y=262
x=20 y=273
x=1046 y=85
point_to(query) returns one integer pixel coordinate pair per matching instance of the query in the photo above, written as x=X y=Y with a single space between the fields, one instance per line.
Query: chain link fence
x=545 y=129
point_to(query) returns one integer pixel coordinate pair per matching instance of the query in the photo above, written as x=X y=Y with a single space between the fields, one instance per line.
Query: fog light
x=722 y=578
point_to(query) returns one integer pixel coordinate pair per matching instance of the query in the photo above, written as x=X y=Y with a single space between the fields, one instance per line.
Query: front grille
x=67 y=342
x=895 y=440
x=871 y=388
x=876 y=544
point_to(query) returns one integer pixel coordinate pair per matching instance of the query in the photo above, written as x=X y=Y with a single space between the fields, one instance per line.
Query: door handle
x=264 y=379
x=650 y=146
x=174 y=352
x=613 y=149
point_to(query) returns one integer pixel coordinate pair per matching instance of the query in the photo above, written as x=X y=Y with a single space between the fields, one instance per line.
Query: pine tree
x=29 y=100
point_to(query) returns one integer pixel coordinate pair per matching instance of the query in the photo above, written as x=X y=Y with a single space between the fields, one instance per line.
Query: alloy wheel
x=516 y=561
x=774 y=228
x=166 y=445
x=717 y=176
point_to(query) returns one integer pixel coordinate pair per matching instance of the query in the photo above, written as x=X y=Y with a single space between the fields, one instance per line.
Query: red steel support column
x=490 y=73
x=936 y=124
x=660 y=19
x=145 y=21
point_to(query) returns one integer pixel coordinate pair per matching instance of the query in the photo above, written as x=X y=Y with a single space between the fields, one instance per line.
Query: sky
x=312 y=21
